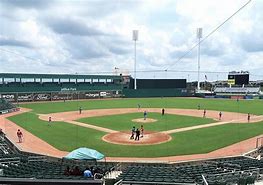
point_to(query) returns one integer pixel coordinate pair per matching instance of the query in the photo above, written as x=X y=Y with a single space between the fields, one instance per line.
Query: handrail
x=203 y=177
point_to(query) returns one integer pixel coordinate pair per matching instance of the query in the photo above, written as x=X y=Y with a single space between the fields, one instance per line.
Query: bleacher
x=237 y=90
x=235 y=170
x=22 y=166
x=6 y=106
x=155 y=174
x=55 y=86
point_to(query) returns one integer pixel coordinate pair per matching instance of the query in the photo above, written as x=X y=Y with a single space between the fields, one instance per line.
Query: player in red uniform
x=142 y=130
x=248 y=117
x=19 y=135
x=220 y=115
x=204 y=113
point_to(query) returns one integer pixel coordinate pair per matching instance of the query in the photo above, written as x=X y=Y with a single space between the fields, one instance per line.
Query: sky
x=95 y=37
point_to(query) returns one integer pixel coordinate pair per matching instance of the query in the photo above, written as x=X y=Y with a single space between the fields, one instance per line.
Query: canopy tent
x=85 y=154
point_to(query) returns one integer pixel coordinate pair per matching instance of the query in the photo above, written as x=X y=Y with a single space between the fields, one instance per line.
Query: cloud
x=73 y=27
x=14 y=43
x=84 y=47
x=252 y=45
x=213 y=48
x=27 y=3
x=251 y=41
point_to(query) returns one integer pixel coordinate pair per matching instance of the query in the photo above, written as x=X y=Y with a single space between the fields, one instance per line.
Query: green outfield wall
x=132 y=93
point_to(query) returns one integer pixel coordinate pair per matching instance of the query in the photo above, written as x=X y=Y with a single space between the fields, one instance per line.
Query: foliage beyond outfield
x=124 y=121
x=67 y=137
x=244 y=106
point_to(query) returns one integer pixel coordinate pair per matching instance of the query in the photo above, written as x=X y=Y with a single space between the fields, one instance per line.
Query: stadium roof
x=57 y=76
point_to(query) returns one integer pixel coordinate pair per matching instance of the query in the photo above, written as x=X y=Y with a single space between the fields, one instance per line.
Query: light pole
x=135 y=38
x=199 y=36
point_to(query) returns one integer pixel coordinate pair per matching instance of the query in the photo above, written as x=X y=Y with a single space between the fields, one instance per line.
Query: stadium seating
x=6 y=106
x=234 y=170
x=17 y=164
x=56 y=87
x=239 y=90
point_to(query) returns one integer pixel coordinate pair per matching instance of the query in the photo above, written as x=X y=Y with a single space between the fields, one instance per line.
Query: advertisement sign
x=9 y=97
x=60 y=96
x=42 y=97
x=25 y=97
x=92 y=94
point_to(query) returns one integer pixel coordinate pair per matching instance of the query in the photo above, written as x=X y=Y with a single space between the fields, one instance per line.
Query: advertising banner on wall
x=92 y=95
x=9 y=97
x=61 y=96
x=42 y=97
x=69 y=95
x=25 y=97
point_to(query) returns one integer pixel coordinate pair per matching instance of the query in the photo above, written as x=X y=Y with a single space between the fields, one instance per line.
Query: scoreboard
x=238 y=78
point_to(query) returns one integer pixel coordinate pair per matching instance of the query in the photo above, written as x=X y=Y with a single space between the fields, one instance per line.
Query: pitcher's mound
x=147 y=120
x=149 y=138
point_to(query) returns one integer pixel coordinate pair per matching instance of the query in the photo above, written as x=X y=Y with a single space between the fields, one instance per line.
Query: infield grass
x=123 y=122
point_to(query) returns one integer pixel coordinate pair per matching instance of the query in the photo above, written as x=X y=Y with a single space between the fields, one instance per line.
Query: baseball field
x=105 y=125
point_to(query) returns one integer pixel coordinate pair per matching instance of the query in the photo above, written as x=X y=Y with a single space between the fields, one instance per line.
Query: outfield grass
x=167 y=122
x=67 y=137
x=244 y=106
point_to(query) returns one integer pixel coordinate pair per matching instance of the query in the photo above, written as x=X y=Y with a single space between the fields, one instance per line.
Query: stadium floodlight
x=135 y=34
x=199 y=33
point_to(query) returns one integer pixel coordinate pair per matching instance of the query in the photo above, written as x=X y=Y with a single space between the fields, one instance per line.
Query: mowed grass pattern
x=243 y=106
x=67 y=137
x=122 y=122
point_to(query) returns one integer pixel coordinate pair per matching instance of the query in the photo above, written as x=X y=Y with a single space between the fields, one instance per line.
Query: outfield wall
x=141 y=93
x=62 y=95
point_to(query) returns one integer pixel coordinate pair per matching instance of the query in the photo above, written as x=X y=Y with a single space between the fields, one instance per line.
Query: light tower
x=135 y=38
x=199 y=36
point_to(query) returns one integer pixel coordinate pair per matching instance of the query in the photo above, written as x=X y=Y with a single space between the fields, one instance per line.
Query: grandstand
x=18 y=167
x=43 y=87
x=24 y=87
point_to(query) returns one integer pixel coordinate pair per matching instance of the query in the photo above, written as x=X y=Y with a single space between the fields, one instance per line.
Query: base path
x=91 y=126
x=30 y=143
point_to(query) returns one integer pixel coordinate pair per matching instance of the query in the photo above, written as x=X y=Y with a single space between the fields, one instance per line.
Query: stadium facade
x=19 y=87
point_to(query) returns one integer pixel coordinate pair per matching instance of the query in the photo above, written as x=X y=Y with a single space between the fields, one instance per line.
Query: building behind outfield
x=18 y=87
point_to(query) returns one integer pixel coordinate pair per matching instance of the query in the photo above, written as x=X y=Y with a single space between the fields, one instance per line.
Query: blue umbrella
x=85 y=154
